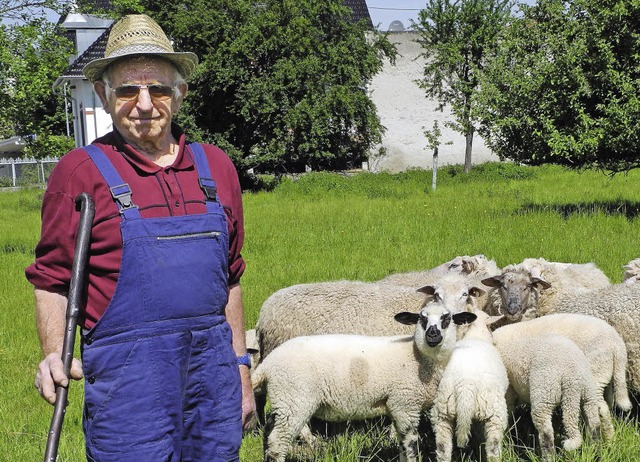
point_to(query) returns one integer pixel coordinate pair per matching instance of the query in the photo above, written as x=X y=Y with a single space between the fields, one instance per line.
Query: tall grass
x=328 y=226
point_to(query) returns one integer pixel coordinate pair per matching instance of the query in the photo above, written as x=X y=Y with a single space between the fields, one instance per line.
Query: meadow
x=323 y=226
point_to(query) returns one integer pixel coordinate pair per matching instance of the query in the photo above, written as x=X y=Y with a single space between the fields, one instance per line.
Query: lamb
x=618 y=306
x=338 y=307
x=530 y=289
x=352 y=377
x=473 y=386
x=546 y=371
x=477 y=266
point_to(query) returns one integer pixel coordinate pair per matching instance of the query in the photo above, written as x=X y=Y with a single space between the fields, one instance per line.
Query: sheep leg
x=443 y=430
x=541 y=415
x=571 y=417
x=407 y=428
x=288 y=422
x=494 y=429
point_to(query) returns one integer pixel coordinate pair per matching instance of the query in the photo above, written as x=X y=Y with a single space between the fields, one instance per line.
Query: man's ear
x=183 y=88
x=101 y=90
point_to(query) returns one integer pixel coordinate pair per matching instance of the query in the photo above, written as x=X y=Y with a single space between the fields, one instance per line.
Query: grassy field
x=328 y=226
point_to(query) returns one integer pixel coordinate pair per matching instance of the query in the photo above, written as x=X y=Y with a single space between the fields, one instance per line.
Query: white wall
x=405 y=111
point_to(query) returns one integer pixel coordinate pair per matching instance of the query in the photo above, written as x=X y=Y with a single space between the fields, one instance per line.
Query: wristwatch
x=244 y=360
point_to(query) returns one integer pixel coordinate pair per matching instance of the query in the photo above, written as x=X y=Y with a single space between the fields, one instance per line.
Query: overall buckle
x=122 y=194
x=209 y=188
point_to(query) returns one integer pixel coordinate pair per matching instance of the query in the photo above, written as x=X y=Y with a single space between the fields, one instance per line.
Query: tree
x=32 y=56
x=282 y=83
x=456 y=37
x=22 y=11
x=564 y=86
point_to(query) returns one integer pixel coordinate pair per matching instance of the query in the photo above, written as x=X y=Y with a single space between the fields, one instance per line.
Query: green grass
x=328 y=226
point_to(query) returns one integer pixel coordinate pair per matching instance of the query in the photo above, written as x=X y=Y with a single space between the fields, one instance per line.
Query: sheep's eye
x=437 y=297
x=465 y=294
x=445 y=320
x=423 y=321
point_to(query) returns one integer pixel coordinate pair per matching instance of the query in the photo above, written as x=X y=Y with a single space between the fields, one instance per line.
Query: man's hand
x=51 y=373
x=249 y=418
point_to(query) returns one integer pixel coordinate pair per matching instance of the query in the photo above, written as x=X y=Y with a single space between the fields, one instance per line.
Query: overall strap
x=205 y=180
x=120 y=191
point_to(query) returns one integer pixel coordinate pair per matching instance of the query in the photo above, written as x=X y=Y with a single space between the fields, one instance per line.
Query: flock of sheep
x=470 y=344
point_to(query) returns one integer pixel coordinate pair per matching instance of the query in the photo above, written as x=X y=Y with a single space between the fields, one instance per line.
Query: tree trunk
x=467 y=151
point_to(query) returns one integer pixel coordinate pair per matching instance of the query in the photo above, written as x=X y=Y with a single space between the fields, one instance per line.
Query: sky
x=383 y=12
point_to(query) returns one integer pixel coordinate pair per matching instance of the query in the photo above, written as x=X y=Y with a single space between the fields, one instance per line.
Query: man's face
x=143 y=120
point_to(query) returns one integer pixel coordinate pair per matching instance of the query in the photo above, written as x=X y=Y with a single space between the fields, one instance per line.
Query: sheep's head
x=519 y=291
x=458 y=293
x=435 y=325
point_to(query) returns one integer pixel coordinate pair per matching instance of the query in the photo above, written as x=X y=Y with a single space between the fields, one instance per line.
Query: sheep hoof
x=571 y=444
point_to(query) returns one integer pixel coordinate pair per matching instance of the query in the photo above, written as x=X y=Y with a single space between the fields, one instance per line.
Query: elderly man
x=163 y=348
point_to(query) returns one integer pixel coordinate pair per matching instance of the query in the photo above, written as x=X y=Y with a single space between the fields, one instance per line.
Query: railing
x=19 y=172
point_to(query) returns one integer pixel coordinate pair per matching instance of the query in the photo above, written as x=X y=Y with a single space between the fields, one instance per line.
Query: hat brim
x=185 y=62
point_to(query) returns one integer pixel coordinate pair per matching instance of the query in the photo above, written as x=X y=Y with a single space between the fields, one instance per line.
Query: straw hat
x=138 y=34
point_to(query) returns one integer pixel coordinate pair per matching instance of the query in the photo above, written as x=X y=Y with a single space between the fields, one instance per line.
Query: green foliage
x=47 y=145
x=283 y=83
x=456 y=37
x=32 y=56
x=563 y=87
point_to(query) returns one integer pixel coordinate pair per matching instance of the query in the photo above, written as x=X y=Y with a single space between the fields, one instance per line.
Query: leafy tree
x=23 y=11
x=282 y=83
x=32 y=56
x=564 y=86
x=457 y=36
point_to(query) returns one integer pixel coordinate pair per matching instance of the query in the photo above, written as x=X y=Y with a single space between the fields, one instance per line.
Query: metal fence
x=22 y=172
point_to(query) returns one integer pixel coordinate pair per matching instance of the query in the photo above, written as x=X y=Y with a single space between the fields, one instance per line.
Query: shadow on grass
x=628 y=209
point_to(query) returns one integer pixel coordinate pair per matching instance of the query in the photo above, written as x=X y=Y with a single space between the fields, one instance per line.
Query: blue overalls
x=161 y=378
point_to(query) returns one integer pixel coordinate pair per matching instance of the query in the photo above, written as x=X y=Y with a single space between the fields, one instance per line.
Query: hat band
x=138 y=49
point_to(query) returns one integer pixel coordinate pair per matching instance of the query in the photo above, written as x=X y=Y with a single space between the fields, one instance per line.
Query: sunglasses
x=131 y=92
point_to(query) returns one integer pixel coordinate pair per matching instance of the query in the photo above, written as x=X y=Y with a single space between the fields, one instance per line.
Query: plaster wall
x=406 y=113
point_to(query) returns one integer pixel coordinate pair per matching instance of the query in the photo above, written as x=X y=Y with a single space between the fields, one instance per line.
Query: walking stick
x=76 y=289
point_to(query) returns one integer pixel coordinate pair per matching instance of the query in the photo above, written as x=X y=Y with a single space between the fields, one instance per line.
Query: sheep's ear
x=407 y=318
x=493 y=281
x=429 y=290
x=477 y=292
x=493 y=322
x=464 y=317
x=469 y=264
x=540 y=282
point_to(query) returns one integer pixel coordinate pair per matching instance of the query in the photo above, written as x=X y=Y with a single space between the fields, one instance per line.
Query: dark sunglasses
x=131 y=92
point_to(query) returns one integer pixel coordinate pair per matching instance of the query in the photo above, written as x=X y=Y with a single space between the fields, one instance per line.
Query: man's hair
x=178 y=80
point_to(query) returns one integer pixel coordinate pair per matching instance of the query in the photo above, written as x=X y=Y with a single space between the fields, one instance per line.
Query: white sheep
x=473 y=387
x=547 y=371
x=618 y=305
x=477 y=266
x=530 y=289
x=603 y=347
x=631 y=272
x=352 y=377
x=340 y=307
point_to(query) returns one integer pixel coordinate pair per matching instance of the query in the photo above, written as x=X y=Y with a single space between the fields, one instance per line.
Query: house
x=402 y=106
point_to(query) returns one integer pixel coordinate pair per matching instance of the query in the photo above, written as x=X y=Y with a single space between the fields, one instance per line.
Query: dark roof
x=96 y=50
x=359 y=11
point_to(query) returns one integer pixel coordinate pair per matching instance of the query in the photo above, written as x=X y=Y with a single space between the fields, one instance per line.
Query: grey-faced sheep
x=530 y=289
x=476 y=266
x=351 y=377
x=473 y=387
x=549 y=371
